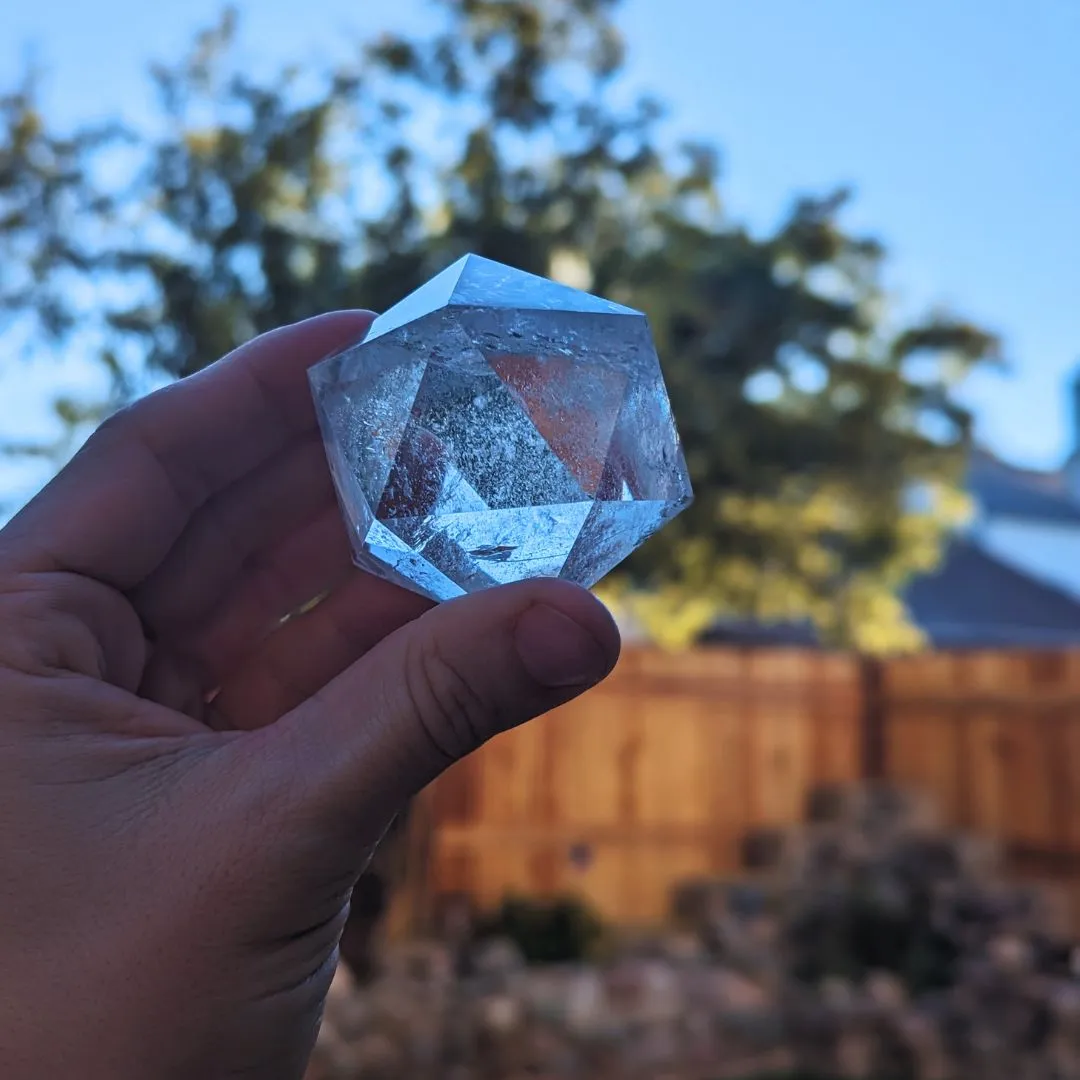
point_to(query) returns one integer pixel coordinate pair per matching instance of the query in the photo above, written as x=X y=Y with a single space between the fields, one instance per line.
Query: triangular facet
x=412 y=570
x=363 y=399
x=431 y=296
x=610 y=533
x=484 y=283
x=573 y=406
x=441 y=551
x=424 y=482
x=645 y=460
x=505 y=545
x=491 y=440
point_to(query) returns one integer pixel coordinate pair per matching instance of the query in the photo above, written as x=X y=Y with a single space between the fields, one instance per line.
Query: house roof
x=1007 y=491
x=972 y=600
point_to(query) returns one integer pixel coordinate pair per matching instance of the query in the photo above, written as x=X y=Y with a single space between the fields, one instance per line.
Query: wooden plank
x=921 y=736
x=676 y=764
x=505 y=776
x=1068 y=802
x=591 y=736
x=988 y=786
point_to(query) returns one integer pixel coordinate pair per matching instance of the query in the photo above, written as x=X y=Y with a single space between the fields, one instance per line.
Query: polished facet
x=495 y=426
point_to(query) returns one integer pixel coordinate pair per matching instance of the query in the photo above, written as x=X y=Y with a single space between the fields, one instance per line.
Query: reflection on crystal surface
x=495 y=426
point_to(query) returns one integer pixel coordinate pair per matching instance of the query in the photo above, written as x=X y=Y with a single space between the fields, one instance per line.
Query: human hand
x=189 y=788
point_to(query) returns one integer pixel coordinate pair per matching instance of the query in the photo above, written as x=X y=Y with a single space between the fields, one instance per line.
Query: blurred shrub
x=557 y=931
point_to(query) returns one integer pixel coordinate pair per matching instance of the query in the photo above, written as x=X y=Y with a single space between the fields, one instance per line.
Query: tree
x=826 y=451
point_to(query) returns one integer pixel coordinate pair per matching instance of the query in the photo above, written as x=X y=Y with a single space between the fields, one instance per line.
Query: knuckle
x=454 y=718
x=118 y=424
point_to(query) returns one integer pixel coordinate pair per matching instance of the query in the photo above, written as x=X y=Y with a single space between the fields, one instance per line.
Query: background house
x=1028 y=519
x=1014 y=578
x=1011 y=580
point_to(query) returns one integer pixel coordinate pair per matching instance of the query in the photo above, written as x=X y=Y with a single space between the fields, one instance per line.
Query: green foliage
x=826 y=450
x=547 y=932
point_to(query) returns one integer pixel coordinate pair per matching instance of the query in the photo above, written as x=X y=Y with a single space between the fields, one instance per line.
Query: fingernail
x=557 y=651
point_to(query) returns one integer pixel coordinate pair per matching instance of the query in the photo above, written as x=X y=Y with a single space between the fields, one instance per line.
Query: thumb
x=431 y=693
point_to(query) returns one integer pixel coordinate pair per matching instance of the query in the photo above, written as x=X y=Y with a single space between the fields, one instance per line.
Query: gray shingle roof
x=1011 y=492
x=974 y=599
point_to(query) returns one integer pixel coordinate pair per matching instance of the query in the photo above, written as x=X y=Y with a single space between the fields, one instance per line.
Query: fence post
x=873 y=762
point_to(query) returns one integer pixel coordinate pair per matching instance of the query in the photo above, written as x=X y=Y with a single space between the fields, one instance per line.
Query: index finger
x=116 y=509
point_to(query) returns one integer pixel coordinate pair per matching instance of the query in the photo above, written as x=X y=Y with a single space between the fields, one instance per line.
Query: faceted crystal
x=495 y=426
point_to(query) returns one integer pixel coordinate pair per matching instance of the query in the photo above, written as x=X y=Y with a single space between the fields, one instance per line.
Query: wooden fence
x=995 y=738
x=654 y=776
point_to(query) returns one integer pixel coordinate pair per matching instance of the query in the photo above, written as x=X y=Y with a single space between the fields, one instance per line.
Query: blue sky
x=956 y=121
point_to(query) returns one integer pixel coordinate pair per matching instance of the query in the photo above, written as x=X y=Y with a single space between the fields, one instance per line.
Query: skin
x=189 y=788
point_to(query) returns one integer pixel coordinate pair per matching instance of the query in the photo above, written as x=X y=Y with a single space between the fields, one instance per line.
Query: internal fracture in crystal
x=495 y=426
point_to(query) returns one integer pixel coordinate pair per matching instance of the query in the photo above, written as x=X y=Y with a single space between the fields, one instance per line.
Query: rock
x=586 y=1005
x=453 y=917
x=886 y=991
x=375 y=1056
x=424 y=963
x=696 y=903
x=681 y=950
x=1010 y=954
x=496 y=958
x=646 y=991
x=763 y=848
x=856 y=1053
x=717 y=992
x=332 y=1058
x=981 y=857
x=837 y=993
x=1049 y=912
x=500 y=1013
x=343 y=1003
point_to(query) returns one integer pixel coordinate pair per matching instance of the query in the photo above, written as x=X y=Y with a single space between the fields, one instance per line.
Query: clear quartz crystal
x=495 y=426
